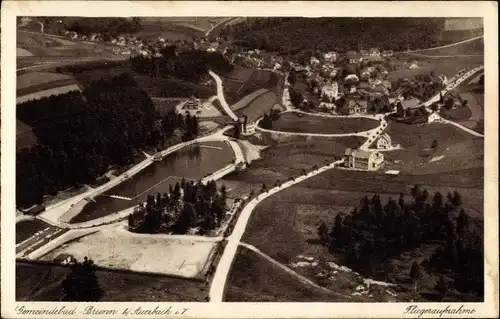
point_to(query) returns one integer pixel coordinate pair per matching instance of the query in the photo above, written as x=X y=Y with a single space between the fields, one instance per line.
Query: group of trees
x=373 y=234
x=187 y=205
x=82 y=134
x=420 y=86
x=81 y=283
x=187 y=65
x=274 y=34
x=106 y=26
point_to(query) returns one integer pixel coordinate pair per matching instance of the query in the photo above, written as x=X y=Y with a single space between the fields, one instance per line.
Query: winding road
x=233 y=241
x=222 y=98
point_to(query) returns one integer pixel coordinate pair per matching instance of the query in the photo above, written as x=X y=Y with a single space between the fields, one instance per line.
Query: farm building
x=364 y=160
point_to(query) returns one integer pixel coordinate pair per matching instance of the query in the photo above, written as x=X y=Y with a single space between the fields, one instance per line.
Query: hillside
x=473 y=46
x=288 y=34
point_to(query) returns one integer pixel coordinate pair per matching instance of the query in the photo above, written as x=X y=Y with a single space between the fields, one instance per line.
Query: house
x=443 y=79
x=387 y=53
x=413 y=66
x=364 y=160
x=351 y=78
x=374 y=52
x=363 y=52
x=384 y=142
x=357 y=106
x=330 y=92
x=314 y=61
x=365 y=73
x=330 y=56
x=354 y=57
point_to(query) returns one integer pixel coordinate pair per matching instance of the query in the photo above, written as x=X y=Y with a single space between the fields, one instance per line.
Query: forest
x=373 y=234
x=187 y=65
x=187 y=205
x=287 y=35
x=81 y=135
x=106 y=26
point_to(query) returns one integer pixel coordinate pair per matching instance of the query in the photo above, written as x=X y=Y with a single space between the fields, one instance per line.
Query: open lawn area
x=446 y=66
x=116 y=247
x=35 y=81
x=456 y=149
x=287 y=158
x=290 y=122
x=42 y=282
x=259 y=106
x=243 y=81
x=253 y=278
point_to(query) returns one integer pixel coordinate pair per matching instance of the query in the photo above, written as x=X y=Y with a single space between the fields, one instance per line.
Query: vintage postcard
x=246 y=159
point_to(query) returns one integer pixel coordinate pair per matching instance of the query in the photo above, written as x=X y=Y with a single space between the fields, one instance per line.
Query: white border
x=486 y=9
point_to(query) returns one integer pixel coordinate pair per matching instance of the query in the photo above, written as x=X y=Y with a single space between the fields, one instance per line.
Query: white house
x=330 y=56
x=314 y=61
x=330 y=91
x=364 y=160
x=374 y=52
x=384 y=142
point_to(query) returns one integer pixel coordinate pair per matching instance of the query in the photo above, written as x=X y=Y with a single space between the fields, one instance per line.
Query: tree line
x=187 y=205
x=373 y=234
x=275 y=34
x=107 y=26
x=82 y=135
x=188 y=65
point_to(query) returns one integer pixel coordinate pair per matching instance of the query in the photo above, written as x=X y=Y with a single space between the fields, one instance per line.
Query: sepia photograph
x=250 y=159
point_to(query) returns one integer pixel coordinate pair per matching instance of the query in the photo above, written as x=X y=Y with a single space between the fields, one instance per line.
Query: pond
x=191 y=163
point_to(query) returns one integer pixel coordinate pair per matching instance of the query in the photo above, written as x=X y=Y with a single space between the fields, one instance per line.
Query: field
x=466 y=48
x=254 y=279
x=35 y=79
x=446 y=66
x=290 y=122
x=456 y=150
x=243 y=81
x=247 y=99
x=47 y=92
x=259 y=106
x=42 y=282
x=171 y=28
x=289 y=156
x=116 y=247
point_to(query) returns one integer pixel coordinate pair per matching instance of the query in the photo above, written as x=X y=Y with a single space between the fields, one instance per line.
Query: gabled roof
x=361 y=154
